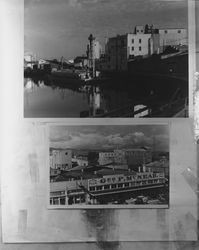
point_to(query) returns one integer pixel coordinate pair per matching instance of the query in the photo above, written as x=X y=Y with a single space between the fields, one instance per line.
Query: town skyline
x=109 y=137
x=60 y=29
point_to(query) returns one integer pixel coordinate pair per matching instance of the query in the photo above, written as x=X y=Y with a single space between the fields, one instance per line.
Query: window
x=92 y=188
x=165 y=31
x=106 y=187
x=128 y=178
x=179 y=31
x=132 y=48
x=113 y=186
x=132 y=40
x=66 y=153
x=55 y=201
x=99 y=188
x=120 y=185
x=126 y=184
x=62 y=201
x=140 y=48
x=140 y=40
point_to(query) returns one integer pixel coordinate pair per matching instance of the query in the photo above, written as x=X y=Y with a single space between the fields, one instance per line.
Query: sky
x=109 y=137
x=55 y=28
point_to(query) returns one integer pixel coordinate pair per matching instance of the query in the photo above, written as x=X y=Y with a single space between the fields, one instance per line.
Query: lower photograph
x=108 y=166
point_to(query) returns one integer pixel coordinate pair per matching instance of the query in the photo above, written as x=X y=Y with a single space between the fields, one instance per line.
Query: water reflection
x=47 y=97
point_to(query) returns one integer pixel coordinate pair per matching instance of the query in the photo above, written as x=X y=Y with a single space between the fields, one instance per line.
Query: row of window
x=57 y=165
x=140 y=40
x=137 y=152
x=166 y=31
x=125 y=185
x=107 y=154
x=58 y=201
x=74 y=191
x=57 y=193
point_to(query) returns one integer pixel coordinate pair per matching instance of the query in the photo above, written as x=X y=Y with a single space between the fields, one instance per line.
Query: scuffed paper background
x=24 y=219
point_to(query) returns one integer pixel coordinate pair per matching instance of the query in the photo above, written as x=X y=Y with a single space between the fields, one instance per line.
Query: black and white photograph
x=107 y=165
x=105 y=58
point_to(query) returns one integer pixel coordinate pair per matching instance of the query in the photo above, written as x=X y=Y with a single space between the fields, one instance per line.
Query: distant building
x=126 y=156
x=161 y=166
x=81 y=160
x=106 y=157
x=138 y=156
x=119 y=156
x=54 y=64
x=29 y=60
x=97 y=49
x=121 y=48
x=143 y=42
x=139 y=29
x=94 y=51
x=44 y=65
x=54 y=173
x=81 y=62
x=61 y=159
x=172 y=37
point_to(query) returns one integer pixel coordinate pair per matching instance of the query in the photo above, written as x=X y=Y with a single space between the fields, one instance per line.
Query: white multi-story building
x=139 y=44
x=144 y=41
x=61 y=159
x=121 y=48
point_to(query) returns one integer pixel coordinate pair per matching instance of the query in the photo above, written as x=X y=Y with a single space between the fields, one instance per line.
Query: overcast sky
x=55 y=28
x=110 y=137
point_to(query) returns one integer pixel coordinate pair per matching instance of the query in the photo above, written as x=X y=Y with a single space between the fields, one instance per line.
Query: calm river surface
x=44 y=98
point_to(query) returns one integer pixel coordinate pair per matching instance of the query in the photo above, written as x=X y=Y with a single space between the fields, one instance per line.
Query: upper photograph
x=105 y=58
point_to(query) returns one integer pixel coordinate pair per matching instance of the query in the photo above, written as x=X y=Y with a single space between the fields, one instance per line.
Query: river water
x=44 y=98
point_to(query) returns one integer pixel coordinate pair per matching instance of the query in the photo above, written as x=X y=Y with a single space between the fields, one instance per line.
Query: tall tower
x=91 y=54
